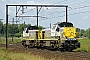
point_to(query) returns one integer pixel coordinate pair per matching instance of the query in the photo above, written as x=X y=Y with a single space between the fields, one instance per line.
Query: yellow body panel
x=69 y=32
x=40 y=34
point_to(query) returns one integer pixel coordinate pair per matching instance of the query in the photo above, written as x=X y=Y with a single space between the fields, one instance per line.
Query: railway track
x=50 y=54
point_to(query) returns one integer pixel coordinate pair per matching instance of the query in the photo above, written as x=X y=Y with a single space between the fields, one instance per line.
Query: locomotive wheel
x=62 y=49
x=42 y=46
x=68 y=49
x=31 y=45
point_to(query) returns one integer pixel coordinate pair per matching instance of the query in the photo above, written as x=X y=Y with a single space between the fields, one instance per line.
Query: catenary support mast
x=18 y=9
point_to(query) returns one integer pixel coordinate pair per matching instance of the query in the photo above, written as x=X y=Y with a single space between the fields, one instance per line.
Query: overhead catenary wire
x=74 y=2
x=69 y=2
x=68 y=15
x=54 y=3
x=60 y=2
x=78 y=3
x=80 y=12
x=64 y=15
x=64 y=11
x=68 y=10
x=59 y=12
x=40 y=1
x=71 y=8
x=45 y=18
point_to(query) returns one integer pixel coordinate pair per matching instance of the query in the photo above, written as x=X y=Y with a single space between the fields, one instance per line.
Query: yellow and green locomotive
x=61 y=36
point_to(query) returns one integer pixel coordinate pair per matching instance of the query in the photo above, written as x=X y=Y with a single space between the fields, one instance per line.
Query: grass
x=85 y=45
x=3 y=59
x=15 y=40
x=11 y=55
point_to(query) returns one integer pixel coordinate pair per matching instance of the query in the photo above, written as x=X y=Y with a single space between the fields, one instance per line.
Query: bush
x=17 y=35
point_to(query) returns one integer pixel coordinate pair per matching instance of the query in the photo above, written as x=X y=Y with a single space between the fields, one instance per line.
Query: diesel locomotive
x=61 y=36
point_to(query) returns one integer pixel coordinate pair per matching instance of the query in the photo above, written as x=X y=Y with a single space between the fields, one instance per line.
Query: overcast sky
x=78 y=12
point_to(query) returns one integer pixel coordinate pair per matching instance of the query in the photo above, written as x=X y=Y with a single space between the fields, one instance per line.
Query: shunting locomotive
x=61 y=36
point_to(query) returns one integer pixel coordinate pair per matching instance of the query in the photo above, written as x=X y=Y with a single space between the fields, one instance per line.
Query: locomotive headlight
x=74 y=39
x=70 y=39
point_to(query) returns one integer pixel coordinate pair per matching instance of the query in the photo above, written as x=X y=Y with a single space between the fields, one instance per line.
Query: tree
x=88 y=33
x=40 y=27
x=21 y=28
x=77 y=32
x=82 y=32
x=9 y=30
x=77 y=29
x=1 y=27
x=15 y=28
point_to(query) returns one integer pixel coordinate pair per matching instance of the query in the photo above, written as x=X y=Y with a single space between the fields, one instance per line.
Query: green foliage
x=18 y=35
x=78 y=32
x=3 y=59
x=21 y=28
x=83 y=33
x=40 y=27
x=88 y=33
x=13 y=29
x=1 y=27
x=77 y=29
x=85 y=45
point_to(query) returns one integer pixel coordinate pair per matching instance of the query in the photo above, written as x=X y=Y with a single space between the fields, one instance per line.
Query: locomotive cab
x=67 y=33
x=69 y=36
